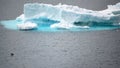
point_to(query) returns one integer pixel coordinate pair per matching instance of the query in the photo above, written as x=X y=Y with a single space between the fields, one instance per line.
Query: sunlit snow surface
x=47 y=17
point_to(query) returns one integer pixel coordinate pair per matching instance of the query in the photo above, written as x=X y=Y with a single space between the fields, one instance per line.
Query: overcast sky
x=10 y=9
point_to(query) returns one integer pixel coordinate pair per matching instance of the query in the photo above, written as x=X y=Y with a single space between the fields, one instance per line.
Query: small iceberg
x=27 y=26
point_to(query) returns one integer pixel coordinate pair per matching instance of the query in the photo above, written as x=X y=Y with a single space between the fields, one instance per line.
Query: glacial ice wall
x=67 y=16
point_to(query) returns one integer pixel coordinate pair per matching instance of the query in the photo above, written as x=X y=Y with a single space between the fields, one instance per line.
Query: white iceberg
x=67 y=15
x=27 y=26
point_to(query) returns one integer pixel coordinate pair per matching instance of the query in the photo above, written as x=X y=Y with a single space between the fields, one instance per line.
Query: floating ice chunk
x=27 y=26
x=67 y=15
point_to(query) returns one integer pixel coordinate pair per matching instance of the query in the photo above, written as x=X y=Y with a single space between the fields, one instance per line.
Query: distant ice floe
x=66 y=16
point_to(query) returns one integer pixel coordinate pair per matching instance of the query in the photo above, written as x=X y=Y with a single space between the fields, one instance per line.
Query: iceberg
x=67 y=16
x=27 y=26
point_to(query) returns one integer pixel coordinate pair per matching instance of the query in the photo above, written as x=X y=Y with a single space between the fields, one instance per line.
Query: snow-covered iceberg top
x=68 y=16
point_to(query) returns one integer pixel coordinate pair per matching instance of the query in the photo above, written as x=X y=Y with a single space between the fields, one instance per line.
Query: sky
x=10 y=9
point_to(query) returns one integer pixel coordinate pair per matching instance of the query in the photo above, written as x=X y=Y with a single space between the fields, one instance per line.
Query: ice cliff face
x=68 y=16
